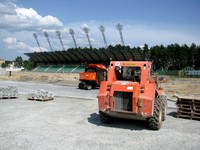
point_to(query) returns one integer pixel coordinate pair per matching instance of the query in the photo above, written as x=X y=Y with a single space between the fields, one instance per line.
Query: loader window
x=129 y=73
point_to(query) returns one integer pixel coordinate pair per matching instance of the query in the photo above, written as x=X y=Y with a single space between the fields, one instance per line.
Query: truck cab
x=92 y=77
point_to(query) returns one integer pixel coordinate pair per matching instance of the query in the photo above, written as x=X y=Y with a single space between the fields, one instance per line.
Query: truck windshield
x=90 y=69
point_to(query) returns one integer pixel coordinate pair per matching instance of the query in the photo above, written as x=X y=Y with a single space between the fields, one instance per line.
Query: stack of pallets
x=188 y=107
x=8 y=92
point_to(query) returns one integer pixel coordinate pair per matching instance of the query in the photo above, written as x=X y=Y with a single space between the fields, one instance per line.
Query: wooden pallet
x=188 y=117
x=188 y=107
x=12 y=97
x=40 y=99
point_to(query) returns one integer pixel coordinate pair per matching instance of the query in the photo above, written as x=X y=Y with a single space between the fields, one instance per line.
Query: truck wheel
x=80 y=85
x=93 y=86
x=87 y=87
x=105 y=118
x=155 y=122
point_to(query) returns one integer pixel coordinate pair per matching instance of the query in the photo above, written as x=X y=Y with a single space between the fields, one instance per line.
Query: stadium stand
x=80 y=56
x=72 y=60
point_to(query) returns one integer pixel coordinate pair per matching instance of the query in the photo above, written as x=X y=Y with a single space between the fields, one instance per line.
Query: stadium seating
x=67 y=69
x=41 y=68
x=79 y=69
x=53 y=69
x=60 y=69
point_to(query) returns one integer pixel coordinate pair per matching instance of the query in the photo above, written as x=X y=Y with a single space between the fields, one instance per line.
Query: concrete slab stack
x=8 y=92
x=40 y=95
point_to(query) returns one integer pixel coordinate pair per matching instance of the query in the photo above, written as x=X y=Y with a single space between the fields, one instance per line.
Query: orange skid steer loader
x=131 y=92
x=92 y=77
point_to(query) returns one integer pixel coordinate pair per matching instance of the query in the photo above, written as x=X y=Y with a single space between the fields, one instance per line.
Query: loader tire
x=105 y=118
x=163 y=99
x=155 y=122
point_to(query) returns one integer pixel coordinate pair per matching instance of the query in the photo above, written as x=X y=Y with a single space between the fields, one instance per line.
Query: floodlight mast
x=47 y=36
x=58 y=34
x=120 y=27
x=35 y=36
x=71 y=32
x=102 y=30
x=86 y=30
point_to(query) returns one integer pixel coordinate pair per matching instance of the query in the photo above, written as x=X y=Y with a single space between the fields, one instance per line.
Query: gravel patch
x=71 y=121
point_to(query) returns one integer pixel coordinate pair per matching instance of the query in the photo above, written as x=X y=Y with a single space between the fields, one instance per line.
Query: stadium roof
x=80 y=56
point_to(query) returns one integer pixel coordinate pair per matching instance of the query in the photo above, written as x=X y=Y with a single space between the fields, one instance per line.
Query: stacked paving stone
x=40 y=95
x=188 y=107
x=8 y=92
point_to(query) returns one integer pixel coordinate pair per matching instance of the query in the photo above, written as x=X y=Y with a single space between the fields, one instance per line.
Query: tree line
x=170 y=57
x=175 y=56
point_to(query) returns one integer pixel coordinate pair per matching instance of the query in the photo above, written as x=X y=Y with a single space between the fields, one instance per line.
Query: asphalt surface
x=71 y=121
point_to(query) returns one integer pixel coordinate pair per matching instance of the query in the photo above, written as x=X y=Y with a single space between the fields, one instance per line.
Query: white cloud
x=15 y=18
x=7 y=8
x=13 y=44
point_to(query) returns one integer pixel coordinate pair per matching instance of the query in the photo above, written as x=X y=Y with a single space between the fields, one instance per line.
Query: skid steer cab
x=131 y=92
x=92 y=77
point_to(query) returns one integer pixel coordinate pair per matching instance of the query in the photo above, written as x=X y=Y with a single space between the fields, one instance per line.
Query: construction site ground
x=71 y=120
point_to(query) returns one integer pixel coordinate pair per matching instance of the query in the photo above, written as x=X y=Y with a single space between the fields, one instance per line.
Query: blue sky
x=153 y=22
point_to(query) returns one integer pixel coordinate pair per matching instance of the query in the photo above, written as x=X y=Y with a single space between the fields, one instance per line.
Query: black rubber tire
x=105 y=118
x=85 y=86
x=93 y=86
x=89 y=87
x=155 y=122
x=80 y=85
x=163 y=98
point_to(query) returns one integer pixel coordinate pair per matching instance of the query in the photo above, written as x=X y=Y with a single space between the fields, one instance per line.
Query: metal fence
x=192 y=73
x=168 y=72
x=180 y=73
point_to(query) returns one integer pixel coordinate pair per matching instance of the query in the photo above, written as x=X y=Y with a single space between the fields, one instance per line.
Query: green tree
x=28 y=64
x=18 y=61
x=6 y=64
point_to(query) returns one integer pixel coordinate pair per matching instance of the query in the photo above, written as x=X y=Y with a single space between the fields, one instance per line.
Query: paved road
x=73 y=123
x=56 y=90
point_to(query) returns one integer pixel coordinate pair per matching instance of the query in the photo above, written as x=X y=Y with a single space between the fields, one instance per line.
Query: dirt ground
x=174 y=85
x=57 y=78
